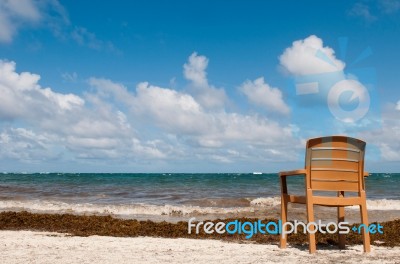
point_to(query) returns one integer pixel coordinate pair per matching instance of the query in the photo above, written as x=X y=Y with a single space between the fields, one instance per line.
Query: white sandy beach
x=45 y=247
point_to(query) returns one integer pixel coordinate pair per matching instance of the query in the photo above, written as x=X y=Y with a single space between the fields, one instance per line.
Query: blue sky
x=210 y=86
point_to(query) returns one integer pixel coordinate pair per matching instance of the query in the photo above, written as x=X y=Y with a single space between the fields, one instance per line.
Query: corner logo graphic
x=350 y=95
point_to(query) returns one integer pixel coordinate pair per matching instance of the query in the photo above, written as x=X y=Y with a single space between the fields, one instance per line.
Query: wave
x=118 y=210
x=383 y=204
x=261 y=204
x=379 y=204
x=266 y=201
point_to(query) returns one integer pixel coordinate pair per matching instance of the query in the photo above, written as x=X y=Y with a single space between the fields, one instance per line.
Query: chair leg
x=364 y=220
x=340 y=209
x=284 y=204
x=310 y=218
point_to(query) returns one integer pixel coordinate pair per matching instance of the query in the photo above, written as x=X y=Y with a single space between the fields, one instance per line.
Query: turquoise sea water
x=165 y=194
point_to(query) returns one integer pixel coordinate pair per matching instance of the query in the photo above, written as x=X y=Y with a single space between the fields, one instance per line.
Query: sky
x=195 y=86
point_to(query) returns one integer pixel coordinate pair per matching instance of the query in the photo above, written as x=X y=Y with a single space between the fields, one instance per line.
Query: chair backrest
x=335 y=163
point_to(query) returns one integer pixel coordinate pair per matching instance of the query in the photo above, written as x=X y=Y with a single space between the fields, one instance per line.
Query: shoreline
x=90 y=225
x=378 y=210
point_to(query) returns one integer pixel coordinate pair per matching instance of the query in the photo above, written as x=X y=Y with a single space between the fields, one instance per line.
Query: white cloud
x=317 y=71
x=251 y=129
x=398 y=105
x=207 y=95
x=195 y=69
x=387 y=137
x=15 y=13
x=19 y=14
x=106 y=87
x=362 y=10
x=49 y=14
x=110 y=122
x=93 y=143
x=221 y=159
x=371 y=11
x=26 y=145
x=84 y=37
x=70 y=77
x=22 y=96
x=174 y=111
x=23 y=8
x=7 y=29
x=262 y=94
x=149 y=149
x=389 y=6
x=180 y=114
x=195 y=127
x=309 y=56
x=389 y=151
x=87 y=128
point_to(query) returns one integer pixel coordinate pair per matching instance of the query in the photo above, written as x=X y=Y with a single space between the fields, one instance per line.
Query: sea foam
x=132 y=210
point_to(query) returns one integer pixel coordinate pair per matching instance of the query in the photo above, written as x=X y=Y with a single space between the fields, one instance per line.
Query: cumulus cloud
x=107 y=87
x=87 y=127
x=262 y=94
x=195 y=69
x=398 y=105
x=180 y=114
x=23 y=97
x=110 y=121
x=207 y=95
x=27 y=145
x=175 y=111
x=309 y=56
x=149 y=149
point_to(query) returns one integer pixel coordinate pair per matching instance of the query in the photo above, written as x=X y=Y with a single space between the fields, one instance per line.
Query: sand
x=47 y=247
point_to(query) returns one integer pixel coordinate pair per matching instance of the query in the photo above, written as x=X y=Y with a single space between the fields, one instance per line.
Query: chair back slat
x=334 y=175
x=334 y=185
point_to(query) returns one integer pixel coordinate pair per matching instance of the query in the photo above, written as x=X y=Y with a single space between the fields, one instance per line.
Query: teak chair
x=336 y=164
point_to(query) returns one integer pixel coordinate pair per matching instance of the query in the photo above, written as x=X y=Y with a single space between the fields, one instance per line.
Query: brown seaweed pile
x=88 y=225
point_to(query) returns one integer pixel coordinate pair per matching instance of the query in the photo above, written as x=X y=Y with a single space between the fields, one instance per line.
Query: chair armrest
x=366 y=174
x=292 y=173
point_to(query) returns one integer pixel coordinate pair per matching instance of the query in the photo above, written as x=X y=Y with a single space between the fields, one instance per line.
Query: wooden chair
x=336 y=164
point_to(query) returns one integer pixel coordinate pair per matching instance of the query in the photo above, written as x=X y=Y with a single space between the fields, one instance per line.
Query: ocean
x=178 y=196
